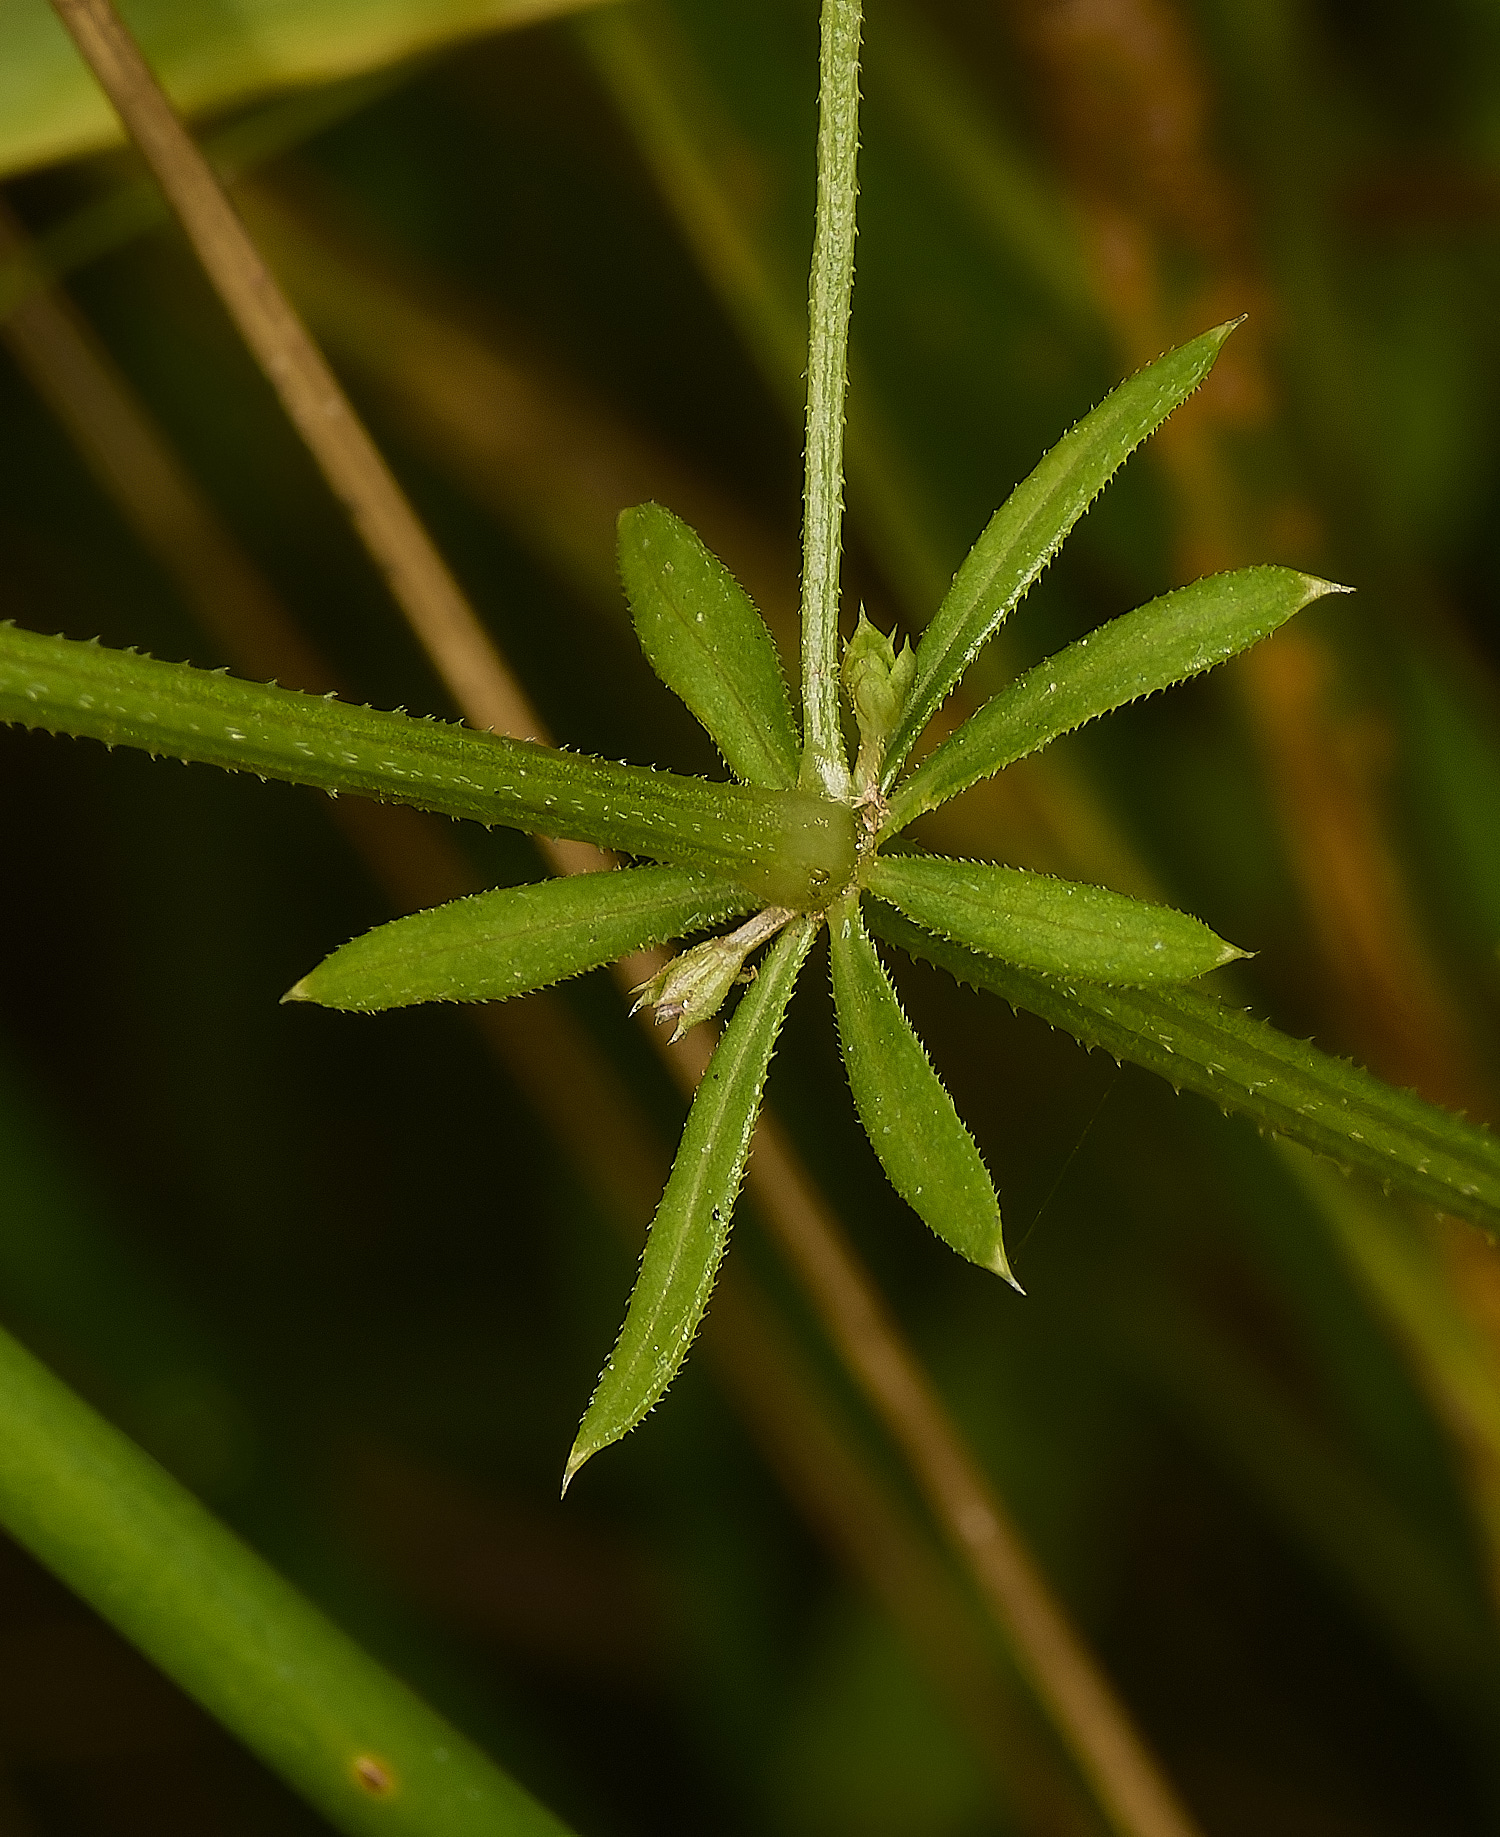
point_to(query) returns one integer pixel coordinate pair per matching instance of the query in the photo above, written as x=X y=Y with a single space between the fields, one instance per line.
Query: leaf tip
x=999 y=1265
x=1315 y=588
x=632 y=516
x=299 y=991
x=576 y=1459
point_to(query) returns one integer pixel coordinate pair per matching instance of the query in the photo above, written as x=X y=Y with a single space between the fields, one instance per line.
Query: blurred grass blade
x=1354 y=1527
x=544 y=454
x=1056 y=926
x=516 y=939
x=1284 y=1085
x=685 y=124
x=781 y=846
x=921 y=1142
x=72 y=1276
x=139 y=1548
x=691 y=1228
x=708 y=644
x=1452 y=752
x=1030 y=526
x=1398 y=1261
x=116 y=218
x=1174 y=637
x=1024 y=213
x=210 y=57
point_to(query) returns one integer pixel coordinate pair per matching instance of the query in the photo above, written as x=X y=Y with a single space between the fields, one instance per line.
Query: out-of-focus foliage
x=337 y=1273
x=211 y=57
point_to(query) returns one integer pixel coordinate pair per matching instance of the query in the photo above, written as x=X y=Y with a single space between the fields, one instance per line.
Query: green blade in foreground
x=691 y=1228
x=784 y=847
x=1056 y=926
x=141 y=1550
x=1174 y=637
x=1284 y=1085
x=514 y=939
x=704 y=638
x=1030 y=526
x=921 y=1142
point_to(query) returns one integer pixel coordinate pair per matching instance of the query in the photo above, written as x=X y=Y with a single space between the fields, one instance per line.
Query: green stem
x=784 y=847
x=140 y=1549
x=825 y=766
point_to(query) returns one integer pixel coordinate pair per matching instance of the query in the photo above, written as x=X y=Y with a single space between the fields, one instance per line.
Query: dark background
x=339 y=1273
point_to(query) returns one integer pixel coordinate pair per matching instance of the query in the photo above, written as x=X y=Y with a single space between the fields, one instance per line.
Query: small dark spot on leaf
x=375 y=1776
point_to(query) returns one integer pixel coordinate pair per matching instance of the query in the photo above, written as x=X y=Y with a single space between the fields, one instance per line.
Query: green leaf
x=927 y=1153
x=1056 y=926
x=691 y=1228
x=515 y=939
x=1174 y=637
x=785 y=848
x=706 y=641
x=210 y=57
x=1284 y=1085
x=1030 y=526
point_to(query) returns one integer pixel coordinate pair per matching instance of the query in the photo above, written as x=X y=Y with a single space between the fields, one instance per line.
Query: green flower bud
x=878 y=680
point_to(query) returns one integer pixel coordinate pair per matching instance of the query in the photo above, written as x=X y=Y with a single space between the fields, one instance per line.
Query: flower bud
x=878 y=681
x=692 y=987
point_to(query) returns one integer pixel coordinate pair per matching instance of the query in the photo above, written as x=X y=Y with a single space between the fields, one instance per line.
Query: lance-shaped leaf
x=786 y=848
x=1056 y=926
x=704 y=638
x=1177 y=636
x=927 y=1153
x=515 y=939
x=1197 y=1043
x=1030 y=526
x=691 y=1228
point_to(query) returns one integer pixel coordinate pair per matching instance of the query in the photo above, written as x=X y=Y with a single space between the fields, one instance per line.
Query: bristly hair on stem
x=825 y=765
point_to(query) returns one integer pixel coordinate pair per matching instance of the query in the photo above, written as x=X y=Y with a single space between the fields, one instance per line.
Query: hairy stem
x=783 y=847
x=824 y=764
